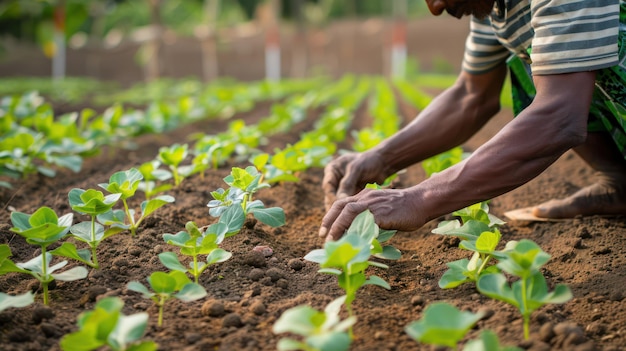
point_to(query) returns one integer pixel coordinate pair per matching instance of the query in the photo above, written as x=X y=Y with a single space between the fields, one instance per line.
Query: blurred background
x=130 y=41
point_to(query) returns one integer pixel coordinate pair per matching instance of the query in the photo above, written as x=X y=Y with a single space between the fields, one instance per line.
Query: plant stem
x=131 y=218
x=161 y=304
x=44 y=275
x=195 y=269
x=482 y=265
x=525 y=313
x=94 y=243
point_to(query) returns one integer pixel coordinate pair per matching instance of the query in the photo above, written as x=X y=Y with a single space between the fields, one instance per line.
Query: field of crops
x=218 y=187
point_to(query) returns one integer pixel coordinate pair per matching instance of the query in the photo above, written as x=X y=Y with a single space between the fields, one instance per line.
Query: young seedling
x=442 y=161
x=484 y=250
x=320 y=330
x=244 y=183
x=125 y=184
x=348 y=257
x=42 y=228
x=530 y=292
x=151 y=175
x=195 y=242
x=443 y=325
x=93 y=203
x=172 y=157
x=166 y=286
x=105 y=325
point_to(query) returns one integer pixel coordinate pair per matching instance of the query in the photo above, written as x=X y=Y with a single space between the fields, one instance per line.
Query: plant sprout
x=93 y=203
x=42 y=228
x=105 y=325
x=166 y=286
x=321 y=330
x=125 y=184
x=172 y=157
x=443 y=325
x=195 y=242
x=530 y=292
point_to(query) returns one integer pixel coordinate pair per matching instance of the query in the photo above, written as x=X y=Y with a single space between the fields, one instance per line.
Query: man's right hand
x=350 y=173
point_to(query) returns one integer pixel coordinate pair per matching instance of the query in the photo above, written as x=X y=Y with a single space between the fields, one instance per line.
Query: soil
x=247 y=293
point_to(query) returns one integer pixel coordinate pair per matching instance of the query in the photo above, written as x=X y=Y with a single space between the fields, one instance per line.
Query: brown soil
x=588 y=254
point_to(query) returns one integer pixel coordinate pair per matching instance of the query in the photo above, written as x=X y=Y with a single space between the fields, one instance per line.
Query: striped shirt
x=565 y=35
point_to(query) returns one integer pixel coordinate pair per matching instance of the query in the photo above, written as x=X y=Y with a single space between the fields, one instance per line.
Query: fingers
x=332 y=176
x=338 y=219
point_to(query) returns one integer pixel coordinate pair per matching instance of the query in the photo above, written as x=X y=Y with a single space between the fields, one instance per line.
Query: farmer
x=569 y=93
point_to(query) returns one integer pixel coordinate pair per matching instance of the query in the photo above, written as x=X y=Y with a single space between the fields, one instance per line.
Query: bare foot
x=606 y=197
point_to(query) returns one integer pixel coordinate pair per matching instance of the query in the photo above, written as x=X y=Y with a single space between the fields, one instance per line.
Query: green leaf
x=170 y=260
x=456 y=274
x=140 y=288
x=233 y=218
x=378 y=281
x=71 y=274
x=179 y=239
x=124 y=183
x=524 y=259
x=17 y=301
x=468 y=231
x=218 y=255
x=337 y=341
x=143 y=346
x=443 y=325
x=69 y=250
x=162 y=283
x=82 y=231
x=487 y=341
x=191 y=292
x=364 y=226
x=297 y=320
x=495 y=286
x=488 y=241
x=149 y=206
x=273 y=216
x=389 y=253
x=128 y=330
x=286 y=344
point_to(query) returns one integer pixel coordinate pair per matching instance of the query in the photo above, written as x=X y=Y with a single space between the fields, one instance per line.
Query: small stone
x=192 y=338
x=566 y=328
x=417 y=300
x=258 y=308
x=274 y=274
x=264 y=249
x=296 y=264
x=596 y=328
x=41 y=313
x=232 y=320
x=213 y=308
x=379 y=335
x=256 y=274
x=255 y=259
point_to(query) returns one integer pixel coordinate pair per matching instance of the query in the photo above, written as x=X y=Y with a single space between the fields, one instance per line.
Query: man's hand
x=350 y=173
x=392 y=209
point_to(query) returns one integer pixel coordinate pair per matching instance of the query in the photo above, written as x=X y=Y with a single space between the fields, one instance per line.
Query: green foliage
x=17 y=301
x=106 y=325
x=172 y=156
x=487 y=341
x=196 y=241
x=244 y=183
x=442 y=325
x=530 y=292
x=348 y=257
x=166 y=286
x=442 y=161
x=320 y=330
x=124 y=184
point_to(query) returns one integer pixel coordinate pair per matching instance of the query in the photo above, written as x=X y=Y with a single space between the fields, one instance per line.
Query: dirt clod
x=213 y=308
x=296 y=264
x=256 y=274
x=255 y=259
x=258 y=308
x=41 y=313
x=232 y=320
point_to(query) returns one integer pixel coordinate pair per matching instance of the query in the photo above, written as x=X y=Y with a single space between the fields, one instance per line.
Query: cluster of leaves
x=106 y=325
x=479 y=234
x=348 y=258
x=43 y=228
x=444 y=325
x=320 y=330
x=238 y=198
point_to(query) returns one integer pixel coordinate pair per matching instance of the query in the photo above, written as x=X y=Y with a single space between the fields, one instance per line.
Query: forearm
x=448 y=121
x=518 y=153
